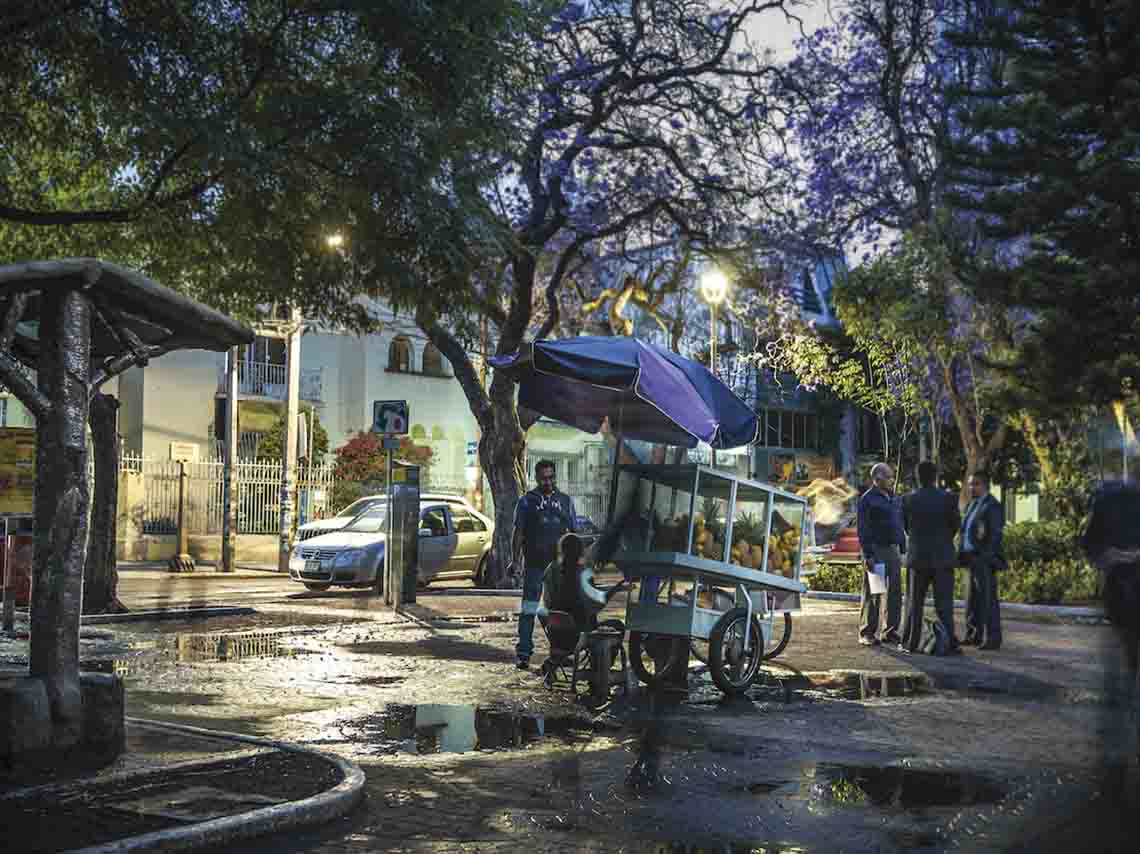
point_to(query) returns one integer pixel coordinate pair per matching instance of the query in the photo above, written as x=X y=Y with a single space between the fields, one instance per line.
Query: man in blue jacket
x=979 y=547
x=542 y=516
x=880 y=539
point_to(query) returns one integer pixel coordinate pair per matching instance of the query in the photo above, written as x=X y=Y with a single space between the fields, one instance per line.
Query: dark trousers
x=918 y=582
x=983 y=610
x=870 y=613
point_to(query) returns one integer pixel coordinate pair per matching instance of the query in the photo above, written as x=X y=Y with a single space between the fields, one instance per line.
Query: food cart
x=704 y=535
x=717 y=557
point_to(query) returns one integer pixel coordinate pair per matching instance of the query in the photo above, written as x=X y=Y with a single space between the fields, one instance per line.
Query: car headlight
x=349 y=557
x=297 y=553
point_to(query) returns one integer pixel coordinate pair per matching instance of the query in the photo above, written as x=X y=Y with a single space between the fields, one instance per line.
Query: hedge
x=1045 y=567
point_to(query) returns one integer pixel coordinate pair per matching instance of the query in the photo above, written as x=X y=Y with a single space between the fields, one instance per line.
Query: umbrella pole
x=614 y=480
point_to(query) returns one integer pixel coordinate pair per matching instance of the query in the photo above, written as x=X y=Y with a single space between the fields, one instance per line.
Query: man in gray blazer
x=931 y=519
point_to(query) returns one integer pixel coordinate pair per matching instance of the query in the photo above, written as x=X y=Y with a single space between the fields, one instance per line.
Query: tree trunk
x=502 y=441
x=502 y=450
x=100 y=579
x=967 y=419
x=61 y=504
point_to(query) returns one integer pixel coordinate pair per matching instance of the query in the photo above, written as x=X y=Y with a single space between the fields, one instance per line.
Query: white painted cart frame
x=759 y=592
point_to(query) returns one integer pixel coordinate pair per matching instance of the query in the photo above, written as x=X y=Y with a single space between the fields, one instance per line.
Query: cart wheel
x=721 y=602
x=662 y=653
x=787 y=636
x=734 y=667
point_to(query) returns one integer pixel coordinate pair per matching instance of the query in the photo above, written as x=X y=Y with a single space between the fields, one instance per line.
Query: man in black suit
x=931 y=519
x=980 y=550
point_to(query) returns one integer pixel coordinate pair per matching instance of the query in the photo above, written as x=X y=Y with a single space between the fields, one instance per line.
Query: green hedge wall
x=1045 y=567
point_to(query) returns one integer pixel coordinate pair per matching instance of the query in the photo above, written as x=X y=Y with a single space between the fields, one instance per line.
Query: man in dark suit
x=880 y=539
x=931 y=519
x=980 y=550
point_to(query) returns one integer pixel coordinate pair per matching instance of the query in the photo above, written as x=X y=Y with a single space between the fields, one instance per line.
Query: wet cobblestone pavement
x=841 y=749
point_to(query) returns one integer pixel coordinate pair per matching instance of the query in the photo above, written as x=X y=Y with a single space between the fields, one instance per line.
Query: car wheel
x=318 y=587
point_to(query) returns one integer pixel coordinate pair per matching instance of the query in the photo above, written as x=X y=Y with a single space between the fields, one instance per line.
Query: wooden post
x=61 y=504
x=182 y=562
x=289 y=457
x=230 y=485
x=9 y=594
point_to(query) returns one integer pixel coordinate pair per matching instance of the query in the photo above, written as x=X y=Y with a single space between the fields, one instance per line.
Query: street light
x=335 y=240
x=714 y=288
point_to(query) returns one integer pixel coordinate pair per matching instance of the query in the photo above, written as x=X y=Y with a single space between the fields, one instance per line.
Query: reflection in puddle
x=439 y=728
x=720 y=848
x=187 y=648
x=859 y=686
x=900 y=788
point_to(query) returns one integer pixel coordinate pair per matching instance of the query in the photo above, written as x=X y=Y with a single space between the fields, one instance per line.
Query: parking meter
x=402 y=559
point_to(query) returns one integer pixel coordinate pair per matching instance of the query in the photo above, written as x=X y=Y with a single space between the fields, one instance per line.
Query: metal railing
x=267 y=379
x=155 y=510
x=259 y=495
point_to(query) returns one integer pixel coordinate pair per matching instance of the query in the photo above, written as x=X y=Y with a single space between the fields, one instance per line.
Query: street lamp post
x=714 y=288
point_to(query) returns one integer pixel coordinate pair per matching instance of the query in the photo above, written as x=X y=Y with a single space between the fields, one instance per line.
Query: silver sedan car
x=454 y=543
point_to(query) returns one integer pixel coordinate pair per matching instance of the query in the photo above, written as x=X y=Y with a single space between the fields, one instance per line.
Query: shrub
x=1039 y=542
x=1046 y=565
x=837 y=578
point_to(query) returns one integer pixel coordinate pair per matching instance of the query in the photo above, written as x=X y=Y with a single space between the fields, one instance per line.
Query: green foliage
x=1048 y=160
x=1052 y=582
x=271 y=444
x=837 y=578
x=216 y=148
x=361 y=466
x=1036 y=542
x=1045 y=567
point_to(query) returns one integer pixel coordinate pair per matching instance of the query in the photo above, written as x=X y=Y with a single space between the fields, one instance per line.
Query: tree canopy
x=1050 y=171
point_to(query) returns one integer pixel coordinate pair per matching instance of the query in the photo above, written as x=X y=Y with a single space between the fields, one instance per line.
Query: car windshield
x=371 y=521
x=357 y=507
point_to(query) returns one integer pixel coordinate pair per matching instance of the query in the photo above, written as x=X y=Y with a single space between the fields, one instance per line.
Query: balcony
x=268 y=380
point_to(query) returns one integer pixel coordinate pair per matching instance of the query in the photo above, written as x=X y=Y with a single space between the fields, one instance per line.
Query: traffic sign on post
x=390 y=417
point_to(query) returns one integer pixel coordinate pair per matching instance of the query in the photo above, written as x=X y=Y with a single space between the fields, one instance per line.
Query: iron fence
x=155 y=509
x=258 y=498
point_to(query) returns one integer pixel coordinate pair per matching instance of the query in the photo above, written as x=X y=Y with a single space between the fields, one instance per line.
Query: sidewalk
x=339 y=658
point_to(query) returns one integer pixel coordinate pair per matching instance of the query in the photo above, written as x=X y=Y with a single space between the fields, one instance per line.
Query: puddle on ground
x=257 y=621
x=438 y=728
x=189 y=648
x=860 y=686
x=898 y=787
x=686 y=847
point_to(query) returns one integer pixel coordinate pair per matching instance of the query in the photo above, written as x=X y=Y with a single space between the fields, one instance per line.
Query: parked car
x=335 y=523
x=454 y=543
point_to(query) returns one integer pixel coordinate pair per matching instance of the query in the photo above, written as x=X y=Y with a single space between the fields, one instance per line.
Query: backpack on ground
x=935 y=640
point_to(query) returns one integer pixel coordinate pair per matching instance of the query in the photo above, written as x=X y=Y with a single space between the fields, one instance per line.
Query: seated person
x=569 y=585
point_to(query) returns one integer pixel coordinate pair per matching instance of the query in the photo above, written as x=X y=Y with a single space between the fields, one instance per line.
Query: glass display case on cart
x=717 y=557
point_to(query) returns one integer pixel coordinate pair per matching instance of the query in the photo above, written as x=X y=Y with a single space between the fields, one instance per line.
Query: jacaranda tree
x=636 y=122
x=870 y=167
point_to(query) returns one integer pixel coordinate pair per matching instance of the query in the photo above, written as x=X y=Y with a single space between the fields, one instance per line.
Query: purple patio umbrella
x=647 y=392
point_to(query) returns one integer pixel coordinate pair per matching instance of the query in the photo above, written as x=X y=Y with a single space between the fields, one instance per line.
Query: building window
x=433 y=361
x=793 y=430
x=870 y=433
x=400 y=356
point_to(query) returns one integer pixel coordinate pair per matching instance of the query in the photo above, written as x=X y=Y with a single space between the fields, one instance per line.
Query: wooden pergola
x=76 y=323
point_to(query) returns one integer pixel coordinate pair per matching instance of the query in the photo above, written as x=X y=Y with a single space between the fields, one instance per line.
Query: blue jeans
x=531 y=598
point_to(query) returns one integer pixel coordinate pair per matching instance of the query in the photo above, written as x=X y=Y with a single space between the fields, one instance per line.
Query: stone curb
x=169 y=614
x=467 y=591
x=317 y=809
x=1069 y=611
